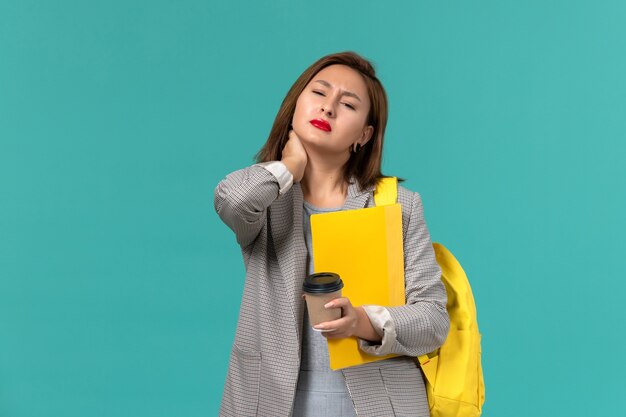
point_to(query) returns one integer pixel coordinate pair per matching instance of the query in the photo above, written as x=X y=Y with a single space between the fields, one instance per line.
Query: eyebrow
x=344 y=93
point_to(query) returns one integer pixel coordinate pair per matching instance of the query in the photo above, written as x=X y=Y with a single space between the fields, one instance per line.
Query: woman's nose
x=327 y=108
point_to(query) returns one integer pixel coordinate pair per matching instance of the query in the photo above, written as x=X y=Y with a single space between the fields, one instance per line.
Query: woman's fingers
x=337 y=302
x=344 y=326
x=294 y=148
x=294 y=156
x=333 y=324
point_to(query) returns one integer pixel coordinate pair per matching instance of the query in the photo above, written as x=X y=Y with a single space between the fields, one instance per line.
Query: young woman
x=324 y=154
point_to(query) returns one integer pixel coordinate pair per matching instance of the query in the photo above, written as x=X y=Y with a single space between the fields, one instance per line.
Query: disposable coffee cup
x=319 y=289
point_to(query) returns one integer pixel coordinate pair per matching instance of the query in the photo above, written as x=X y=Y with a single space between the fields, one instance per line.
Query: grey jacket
x=266 y=217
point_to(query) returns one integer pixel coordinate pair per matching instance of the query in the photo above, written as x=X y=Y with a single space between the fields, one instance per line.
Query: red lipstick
x=321 y=124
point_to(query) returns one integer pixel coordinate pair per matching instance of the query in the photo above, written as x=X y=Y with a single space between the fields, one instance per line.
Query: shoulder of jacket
x=406 y=196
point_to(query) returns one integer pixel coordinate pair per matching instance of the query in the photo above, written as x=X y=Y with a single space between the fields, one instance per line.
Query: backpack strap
x=386 y=192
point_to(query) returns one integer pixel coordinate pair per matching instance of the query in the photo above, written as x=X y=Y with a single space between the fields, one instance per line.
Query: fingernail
x=328 y=305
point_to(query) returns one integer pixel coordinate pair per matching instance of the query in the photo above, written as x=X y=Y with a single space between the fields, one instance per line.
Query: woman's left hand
x=345 y=326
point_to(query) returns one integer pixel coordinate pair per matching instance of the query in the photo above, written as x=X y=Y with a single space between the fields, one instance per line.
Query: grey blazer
x=265 y=357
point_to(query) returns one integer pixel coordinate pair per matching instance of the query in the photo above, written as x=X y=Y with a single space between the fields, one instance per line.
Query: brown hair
x=365 y=165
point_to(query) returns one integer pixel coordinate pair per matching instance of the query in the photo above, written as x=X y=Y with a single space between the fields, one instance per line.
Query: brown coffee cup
x=319 y=289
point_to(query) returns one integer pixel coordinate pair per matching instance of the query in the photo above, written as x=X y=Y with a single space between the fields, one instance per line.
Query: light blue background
x=119 y=285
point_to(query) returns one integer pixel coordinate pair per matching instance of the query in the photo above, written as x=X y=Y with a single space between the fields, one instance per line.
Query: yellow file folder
x=365 y=248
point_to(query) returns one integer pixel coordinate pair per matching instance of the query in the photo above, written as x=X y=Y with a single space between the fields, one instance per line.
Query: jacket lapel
x=357 y=199
x=288 y=240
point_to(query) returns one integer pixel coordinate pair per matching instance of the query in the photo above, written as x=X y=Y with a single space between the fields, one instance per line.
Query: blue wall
x=119 y=285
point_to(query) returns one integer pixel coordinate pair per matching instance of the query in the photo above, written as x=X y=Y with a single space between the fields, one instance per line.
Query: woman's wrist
x=294 y=167
x=365 y=330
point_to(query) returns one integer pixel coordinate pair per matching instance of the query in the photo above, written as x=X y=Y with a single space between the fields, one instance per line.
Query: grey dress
x=321 y=392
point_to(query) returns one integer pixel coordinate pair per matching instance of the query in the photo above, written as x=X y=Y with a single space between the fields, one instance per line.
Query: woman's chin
x=317 y=143
x=315 y=136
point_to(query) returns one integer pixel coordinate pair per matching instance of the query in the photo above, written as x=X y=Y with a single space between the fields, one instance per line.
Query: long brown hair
x=365 y=165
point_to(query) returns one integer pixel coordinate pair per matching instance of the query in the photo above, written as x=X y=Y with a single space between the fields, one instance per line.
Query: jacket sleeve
x=421 y=326
x=242 y=197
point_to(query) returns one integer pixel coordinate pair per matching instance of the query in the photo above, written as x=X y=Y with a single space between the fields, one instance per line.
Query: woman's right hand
x=294 y=156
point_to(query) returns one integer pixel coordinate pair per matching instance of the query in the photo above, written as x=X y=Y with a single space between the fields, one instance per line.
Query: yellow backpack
x=454 y=375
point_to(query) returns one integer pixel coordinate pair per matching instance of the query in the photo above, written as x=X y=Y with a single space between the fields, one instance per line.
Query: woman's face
x=331 y=112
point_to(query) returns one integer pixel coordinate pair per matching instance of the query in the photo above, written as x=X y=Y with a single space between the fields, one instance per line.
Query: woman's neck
x=323 y=183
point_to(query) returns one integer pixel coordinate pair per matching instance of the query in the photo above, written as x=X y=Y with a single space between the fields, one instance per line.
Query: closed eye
x=318 y=92
x=350 y=106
